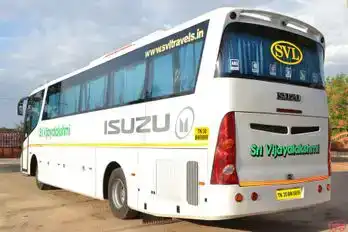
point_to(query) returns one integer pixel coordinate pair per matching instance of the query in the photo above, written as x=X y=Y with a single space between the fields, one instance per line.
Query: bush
x=339 y=145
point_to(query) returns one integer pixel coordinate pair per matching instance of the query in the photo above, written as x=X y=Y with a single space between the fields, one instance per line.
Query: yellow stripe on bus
x=282 y=182
x=149 y=145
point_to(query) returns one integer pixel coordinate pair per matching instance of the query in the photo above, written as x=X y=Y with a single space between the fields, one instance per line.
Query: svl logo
x=286 y=52
x=184 y=122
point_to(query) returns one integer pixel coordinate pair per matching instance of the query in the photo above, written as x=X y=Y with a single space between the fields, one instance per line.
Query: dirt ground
x=24 y=208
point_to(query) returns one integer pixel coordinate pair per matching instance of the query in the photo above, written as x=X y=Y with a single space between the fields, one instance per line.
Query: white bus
x=223 y=116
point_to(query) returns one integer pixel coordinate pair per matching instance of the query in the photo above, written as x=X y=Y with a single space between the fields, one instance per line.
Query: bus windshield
x=269 y=54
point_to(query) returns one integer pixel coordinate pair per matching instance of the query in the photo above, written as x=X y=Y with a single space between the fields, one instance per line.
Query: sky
x=41 y=40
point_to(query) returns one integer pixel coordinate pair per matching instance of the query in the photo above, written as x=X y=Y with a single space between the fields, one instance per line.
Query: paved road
x=6 y=168
x=59 y=210
x=9 y=165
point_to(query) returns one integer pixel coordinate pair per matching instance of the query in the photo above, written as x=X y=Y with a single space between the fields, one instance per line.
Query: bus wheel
x=40 y=185
x=117 y=195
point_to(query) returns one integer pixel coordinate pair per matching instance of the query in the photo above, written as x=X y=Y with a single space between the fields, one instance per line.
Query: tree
x=337 y=91
x=20 y=127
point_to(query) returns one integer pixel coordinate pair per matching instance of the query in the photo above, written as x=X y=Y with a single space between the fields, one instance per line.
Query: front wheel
x=117 y=195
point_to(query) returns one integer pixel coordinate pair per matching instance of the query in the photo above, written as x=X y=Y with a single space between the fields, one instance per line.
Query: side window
x=52 y=102
x=128 y=83
x=94 y=93
x=118 y=87
x=70 y=100
x=83 y=97
x=162 y=76
x=175 y=72
x=189 y=56
x=134 y=82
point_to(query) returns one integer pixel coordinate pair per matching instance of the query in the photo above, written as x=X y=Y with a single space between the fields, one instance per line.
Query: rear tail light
x=320 y=188
x=239 y=197
x=329 y=150
x=224 y=166
x=328 y=187
x=254 y=196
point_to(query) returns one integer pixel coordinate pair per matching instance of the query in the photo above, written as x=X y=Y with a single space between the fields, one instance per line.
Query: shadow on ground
x=311 y=219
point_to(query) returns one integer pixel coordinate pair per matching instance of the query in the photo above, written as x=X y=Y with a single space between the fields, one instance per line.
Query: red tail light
x=254 y=196
x=320 y=188
x=224 y=166
x=328 y=187
x=329 y=150
x=239 y=197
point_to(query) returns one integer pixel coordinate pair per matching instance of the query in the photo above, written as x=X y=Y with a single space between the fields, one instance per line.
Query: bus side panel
x=70 y=168
x=49 y=171
x=146 y=179
x=169 y=180
x=80 y=166
x=176 y=164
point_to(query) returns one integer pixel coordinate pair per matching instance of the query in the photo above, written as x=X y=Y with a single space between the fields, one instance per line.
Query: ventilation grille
x=192 y=182
x=283 y=129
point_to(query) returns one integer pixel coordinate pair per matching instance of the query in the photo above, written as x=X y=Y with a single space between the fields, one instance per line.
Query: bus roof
x=248 y=15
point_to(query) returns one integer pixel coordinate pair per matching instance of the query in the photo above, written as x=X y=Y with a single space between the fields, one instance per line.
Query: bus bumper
x=221 y=203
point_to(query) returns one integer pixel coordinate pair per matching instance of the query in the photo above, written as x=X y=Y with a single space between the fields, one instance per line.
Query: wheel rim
x=118 y=193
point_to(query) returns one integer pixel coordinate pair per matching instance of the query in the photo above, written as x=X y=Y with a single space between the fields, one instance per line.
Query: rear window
x=269 y=54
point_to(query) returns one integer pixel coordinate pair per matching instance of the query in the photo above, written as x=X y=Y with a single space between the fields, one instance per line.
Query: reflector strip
x=130 y=145
x=282 y=182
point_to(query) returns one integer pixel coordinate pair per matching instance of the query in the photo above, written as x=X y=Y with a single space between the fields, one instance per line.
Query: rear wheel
x=117 y=195
x=40 y=185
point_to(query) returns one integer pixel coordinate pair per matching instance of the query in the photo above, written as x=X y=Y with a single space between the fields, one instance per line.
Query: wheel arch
x=110 y=167
x=33 y=165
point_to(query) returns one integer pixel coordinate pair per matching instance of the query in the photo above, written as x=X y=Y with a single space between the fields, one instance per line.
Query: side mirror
x=20 y=110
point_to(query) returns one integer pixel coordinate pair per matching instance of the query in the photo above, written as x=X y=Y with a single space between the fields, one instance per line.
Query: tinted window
x=253 y=51
x=175 y=72
x=69 y=103
x=128 y=84
x=189 y=62
x=134 y=80
x=94 y=93
x=118 y=87
x=162 y=74
x=52 y=102
x=165 y=68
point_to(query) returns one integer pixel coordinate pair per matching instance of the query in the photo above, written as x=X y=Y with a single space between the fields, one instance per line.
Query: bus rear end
x=272 y=142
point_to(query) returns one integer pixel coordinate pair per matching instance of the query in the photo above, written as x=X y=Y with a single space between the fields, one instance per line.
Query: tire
x=40 y=185
x=117 y=195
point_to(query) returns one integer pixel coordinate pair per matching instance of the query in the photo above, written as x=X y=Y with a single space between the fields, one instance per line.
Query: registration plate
x=289 y=194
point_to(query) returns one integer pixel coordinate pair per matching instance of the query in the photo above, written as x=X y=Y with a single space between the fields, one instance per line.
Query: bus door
x=31 y=119
x=23 y=104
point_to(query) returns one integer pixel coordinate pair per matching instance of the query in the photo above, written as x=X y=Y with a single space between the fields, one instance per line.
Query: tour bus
x=220 y=117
